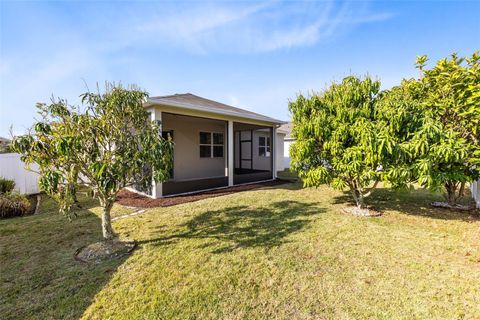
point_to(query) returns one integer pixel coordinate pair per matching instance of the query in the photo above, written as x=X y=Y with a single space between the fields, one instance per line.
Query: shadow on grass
x=246 y=227
x=39 y=276
x=416 y=202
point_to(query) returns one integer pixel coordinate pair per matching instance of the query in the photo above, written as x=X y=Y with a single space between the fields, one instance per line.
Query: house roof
x=287 y=129
x=4 y=140
x=193 y=102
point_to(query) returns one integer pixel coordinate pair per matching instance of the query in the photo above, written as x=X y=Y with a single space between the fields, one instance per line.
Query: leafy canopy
x=338 y=141
x=108 y=146
x=398 y=118
x=446 y=146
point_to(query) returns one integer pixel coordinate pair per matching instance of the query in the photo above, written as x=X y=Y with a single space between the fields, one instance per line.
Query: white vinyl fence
x=11 y=167
x=476 y=192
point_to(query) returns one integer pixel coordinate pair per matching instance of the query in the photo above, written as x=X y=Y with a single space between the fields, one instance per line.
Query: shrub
x=6 y=185
x=13 y=205
x=5 y=149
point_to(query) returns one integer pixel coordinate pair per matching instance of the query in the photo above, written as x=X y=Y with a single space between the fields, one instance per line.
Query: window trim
x=212 y=144
x=265 y=147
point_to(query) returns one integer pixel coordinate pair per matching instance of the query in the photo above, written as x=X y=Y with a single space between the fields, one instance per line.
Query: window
x=264 y=146
x=211 y=145
x=206 y=138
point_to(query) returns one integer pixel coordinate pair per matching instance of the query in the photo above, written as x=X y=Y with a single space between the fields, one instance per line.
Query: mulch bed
x=132 y=199
x=446 y=205
x=367 y=212
x=104 y=250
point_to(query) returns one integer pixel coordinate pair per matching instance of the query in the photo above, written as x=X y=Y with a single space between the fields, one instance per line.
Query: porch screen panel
x=246 y=149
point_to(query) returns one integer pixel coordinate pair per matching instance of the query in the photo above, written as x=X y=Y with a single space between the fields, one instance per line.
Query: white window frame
x=211 y=144
x=267 y=147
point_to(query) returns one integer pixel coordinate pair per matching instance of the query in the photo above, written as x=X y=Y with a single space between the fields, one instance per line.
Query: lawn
x=280 y=252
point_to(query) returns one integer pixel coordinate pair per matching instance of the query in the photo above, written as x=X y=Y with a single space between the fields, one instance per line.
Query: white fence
x=475 y=187
x=11 y=167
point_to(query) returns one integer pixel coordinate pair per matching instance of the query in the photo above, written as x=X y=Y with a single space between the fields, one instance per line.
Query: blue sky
x=255 y=55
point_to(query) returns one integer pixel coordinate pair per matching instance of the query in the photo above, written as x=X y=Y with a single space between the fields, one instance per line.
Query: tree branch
x=369 y=190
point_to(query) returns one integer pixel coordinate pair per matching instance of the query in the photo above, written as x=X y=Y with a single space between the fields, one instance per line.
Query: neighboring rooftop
x=191 y=101
x=4 y=140
x=287 y=129
x=4 y=145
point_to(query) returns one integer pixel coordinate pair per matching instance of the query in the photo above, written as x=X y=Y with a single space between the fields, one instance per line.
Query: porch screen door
x=246 y=149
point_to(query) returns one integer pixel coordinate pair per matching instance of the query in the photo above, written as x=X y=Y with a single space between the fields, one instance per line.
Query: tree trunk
x=359 y=199
x=73 y=191
x=461 y=191
x=451 y=189
x=107 y=229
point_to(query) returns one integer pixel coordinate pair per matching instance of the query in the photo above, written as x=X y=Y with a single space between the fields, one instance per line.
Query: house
x=215 y=145
x=4 y=143
x=286 y=129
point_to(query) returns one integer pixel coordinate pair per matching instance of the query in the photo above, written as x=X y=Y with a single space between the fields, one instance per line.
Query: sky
x=253 y=55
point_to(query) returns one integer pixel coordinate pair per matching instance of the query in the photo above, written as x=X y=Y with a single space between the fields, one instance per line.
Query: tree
x=104 y=148
x=398 y=117
x=338 y=141
x=447 y=145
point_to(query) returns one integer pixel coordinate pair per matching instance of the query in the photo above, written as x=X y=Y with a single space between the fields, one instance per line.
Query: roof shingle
x=188 y=100
x=287 y=128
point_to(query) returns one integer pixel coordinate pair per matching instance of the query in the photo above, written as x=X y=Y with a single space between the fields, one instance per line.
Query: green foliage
x=446 y=146
x=425 y=130
x=13 y=205
x=338 y=141
x=104 y=148
x=398 y=118
x=5 y=148
x=6 y=185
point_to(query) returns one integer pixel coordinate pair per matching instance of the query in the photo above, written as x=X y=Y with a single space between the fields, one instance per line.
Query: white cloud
x=26 y=82
x=194 y=22
x=253 y=28
x=57 y=56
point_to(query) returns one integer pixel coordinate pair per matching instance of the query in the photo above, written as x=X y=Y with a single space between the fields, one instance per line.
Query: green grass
x=287 y=175
x=280 y=252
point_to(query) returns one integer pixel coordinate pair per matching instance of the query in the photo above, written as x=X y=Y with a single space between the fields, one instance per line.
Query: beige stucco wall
x=187 y=161
x=259 y=162
x=279 y=144
x=286 y=153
